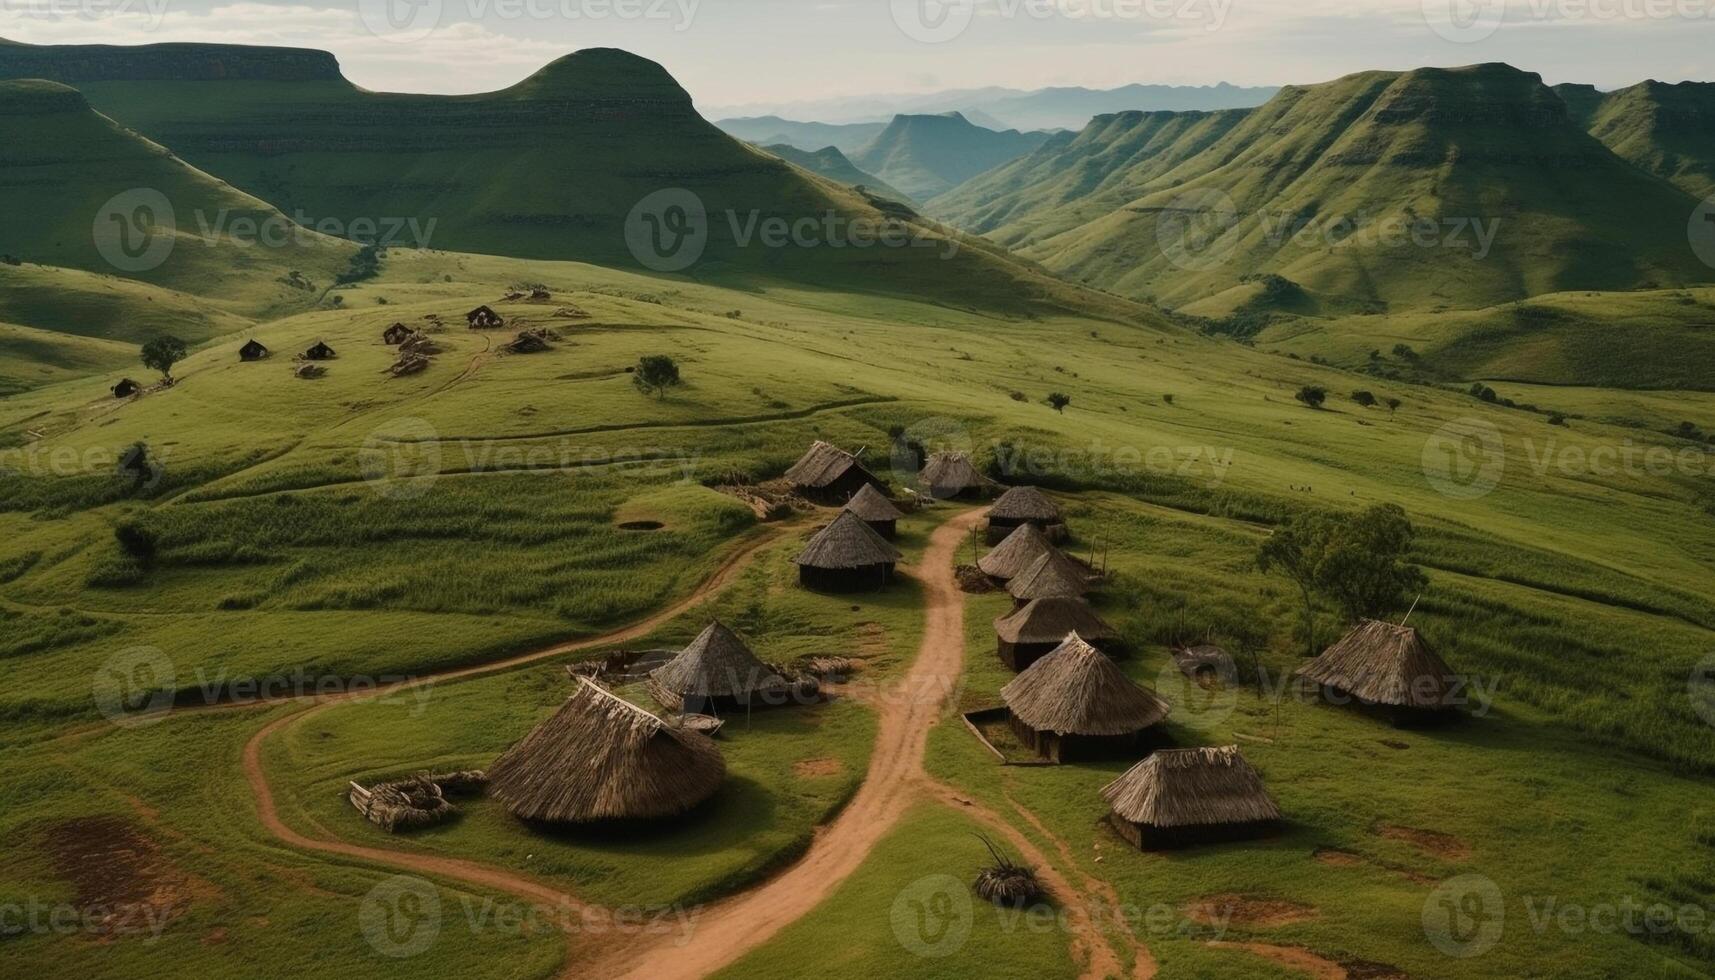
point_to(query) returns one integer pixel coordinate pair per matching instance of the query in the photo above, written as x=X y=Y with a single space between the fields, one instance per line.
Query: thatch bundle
x=408 y=364
x=308 y=372
x=1383 y=664
x=949 y=475
x=602 y=758
x=717 y=668
x=1017 y=553
x=827 y=472
x=1186 y=789
x=419 y=344
x=847 y=553
x=876 y=510
x=1052 y=576
x=1006 y=882
x=1077 y=690
x=418 y=801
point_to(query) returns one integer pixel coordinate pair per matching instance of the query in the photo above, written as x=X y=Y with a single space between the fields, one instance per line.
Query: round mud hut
x=949 y=476
x=1018 y=552
x=1052 y=576
x=1075 y=704
x=718 y=672
x=1189 y=796
x=828 y=474
x=1035 y=630
x=601 y=759
x=846 y=556
x=1022 y=506
x=1388 y=670
x=874 y=509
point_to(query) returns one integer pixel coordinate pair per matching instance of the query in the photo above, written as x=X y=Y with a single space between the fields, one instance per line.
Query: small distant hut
x=828 y=474
x=846 y=556
x=409 y=364
x=540 y=295
x=1076 y=704
x=252 y=351
x=419 y=344
x=1025 y=505
x=1186 y=796
x=876 y=510
x=483 y=318
x=947 y=476
x=1038 y=628
x=1016 y=554
x=528 y=342
x=397 y=334
x=320 y=352
x=1388 y=669
x=601 y=759
x=1051 y=576
x=308 y=372
x=717 y=672
x=126 y=388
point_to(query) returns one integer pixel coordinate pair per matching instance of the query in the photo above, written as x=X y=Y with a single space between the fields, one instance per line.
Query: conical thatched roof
x=948 y=474
x=1025 y=504
x=1384 y=664
x=717 y=664
x=871 y=505
x=1051 y=576
x=1191 y=788
x=1018 y=552
x=602 y=758
x=1050 y=620
x=847 y=543
x=1077 y=690
x=821 y=465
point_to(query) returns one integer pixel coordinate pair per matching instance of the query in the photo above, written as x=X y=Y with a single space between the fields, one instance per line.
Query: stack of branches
x=408 y=364
x=1006 y=882
x=415 y=802
x=309 y=372
x=419 y=344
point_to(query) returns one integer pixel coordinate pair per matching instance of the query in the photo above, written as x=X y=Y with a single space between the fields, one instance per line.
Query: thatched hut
x=1076 y=704
x=847 y=556
x=603 y=759
x=528 y=342
x=1025 y=506
x=828 y=474
x=1035 y=630
x=1012 y=557
x=1051 y=576
x=1388 y=669
x=949 y=475
x=126 y=388
x=876 y=510
x=252 y=351
x=1184 y=796
x=409 y=364
x=397 y=334
x=717 y=672
x=320 y=352
x=483 y=318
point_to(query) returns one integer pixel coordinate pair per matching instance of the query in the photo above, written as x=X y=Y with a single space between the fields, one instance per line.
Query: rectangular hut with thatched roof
x=1075 y=703
x=1388 y=670
x=1188 y=796
x=952 y=476
x=828 y=474
x=874 y=509
x=718 y=672
x=600 y=760
x=847 y=556
x=1021 y=506
x=1035 y=630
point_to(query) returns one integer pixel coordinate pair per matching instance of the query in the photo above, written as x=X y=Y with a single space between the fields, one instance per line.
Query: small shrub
x=1365 y=398
x=1312 y=395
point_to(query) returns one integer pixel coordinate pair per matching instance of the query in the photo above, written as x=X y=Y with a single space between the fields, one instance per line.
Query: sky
x=750 y=55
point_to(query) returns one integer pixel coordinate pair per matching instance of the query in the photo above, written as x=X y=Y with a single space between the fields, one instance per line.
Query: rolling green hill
x=806 y=136
x=929 y=155
x=1668 y=130
x=829 y=162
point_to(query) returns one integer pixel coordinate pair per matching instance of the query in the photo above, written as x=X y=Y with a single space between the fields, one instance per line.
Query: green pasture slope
x=358 y=525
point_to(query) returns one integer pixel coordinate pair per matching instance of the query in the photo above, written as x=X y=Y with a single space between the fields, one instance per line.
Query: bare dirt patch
x=1444 y=846
x=1248 y=910
x=1338 y=858
x=815 y=768
x=122 y=879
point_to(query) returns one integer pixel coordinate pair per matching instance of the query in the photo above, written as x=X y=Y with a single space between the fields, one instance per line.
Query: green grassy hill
x=1668 y=130
x=806 y=136
x=929 y=155
x=829 y=162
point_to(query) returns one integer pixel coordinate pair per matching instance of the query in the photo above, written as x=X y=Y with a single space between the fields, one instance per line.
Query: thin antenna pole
x=1413 y=608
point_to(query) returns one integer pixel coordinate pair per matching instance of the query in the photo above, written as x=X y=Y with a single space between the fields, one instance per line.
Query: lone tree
x=1058 y=401
x=1312 y=395
x=1296 y=550
x=655 y=374
x=162 y=353
x=1393 y=405
x=1365 y=398
x=1357 y=562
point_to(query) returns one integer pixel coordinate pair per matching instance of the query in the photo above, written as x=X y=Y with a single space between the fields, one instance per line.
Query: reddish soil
x=815 y=768
x=120 y=873
x=1247 y=910
x=1292 y=957
x=1444 y=846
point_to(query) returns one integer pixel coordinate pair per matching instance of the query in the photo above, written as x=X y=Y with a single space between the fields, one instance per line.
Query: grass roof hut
x=528 y=342
x=828 y=474
x=717 y=672
x=876 y=510
x=126 y=388
x=483 y=318
x=320 y=352
x=1387 y=669
x=1052 y=576
x=846 y=556
x=1185 y=796
x=397 y=334
x=252 y=351
x=1012 y=557
x=1022 y=506
x=1076 y=704
x=602 y=759
x=1036 y=629
x=947 y=476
